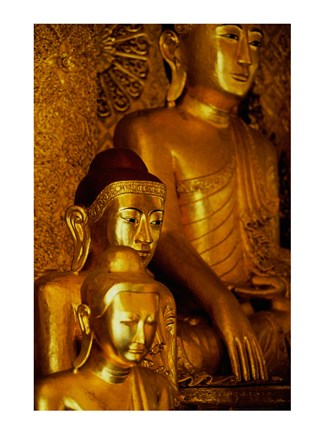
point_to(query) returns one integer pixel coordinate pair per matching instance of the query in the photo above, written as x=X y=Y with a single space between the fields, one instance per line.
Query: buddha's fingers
x=243 y=358
x=253 y=359
x=234 y=359
x=261 y=361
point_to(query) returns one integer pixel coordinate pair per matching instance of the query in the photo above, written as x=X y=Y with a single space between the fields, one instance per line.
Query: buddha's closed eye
x=129 y=323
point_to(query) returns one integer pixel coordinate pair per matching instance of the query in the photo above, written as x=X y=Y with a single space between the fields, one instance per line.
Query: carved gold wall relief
x=268 y=109
x=130 y=74
x=273 y=86
x=65 y=133
x=122 y=66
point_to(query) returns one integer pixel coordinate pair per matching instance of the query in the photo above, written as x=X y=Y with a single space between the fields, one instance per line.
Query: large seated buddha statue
x=219 y=250
x=118 y=316
x=118 y=203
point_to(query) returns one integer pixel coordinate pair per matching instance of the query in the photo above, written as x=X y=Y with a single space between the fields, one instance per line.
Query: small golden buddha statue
x=119 y=318
x=220 y=242
x=117 y=203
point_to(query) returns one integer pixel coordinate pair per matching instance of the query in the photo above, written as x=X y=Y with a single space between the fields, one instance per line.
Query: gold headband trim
x=97 y=208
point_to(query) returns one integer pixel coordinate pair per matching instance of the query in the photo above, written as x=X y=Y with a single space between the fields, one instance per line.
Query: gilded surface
x=119 y=317
x=225 y=236
x=269 y=103
x=86 y=78
x=69 y=62
x=97 y=208
x=126 y=218
x=214 y=222
x=130 y=74
x=268 y=109
x=122 y=66
x=231 y=398
x=66 y=94
x=65 y=133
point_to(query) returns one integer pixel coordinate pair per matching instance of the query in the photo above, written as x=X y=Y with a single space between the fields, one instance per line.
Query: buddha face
x=128 y=326
x=135 y=220
x=223 y=58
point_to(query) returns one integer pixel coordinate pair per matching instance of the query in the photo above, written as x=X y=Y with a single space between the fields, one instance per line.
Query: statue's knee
x=200 y=349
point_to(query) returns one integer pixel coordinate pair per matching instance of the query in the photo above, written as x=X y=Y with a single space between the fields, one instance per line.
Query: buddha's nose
x=139 y=337
x=143 y=234
x=243 y=50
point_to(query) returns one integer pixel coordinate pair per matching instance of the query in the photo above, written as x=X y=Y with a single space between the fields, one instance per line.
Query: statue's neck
x=107 y=370
x=210 y=113
x=218 y=99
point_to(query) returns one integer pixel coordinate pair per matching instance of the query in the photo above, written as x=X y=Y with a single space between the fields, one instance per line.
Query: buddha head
x=119 y=310
x=222 y=58
x=118 y=202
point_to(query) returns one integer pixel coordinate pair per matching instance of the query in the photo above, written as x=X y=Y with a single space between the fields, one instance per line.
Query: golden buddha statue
x=117 y=203
x=220 y=241
x=118 y=317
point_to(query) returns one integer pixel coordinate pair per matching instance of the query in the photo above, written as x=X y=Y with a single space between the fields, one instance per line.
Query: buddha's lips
x=143 y=253
x=240 y=77
x=137 y=349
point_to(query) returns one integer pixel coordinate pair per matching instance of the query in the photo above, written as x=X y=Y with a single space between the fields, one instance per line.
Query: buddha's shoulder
x=52 y=383
x=62 y=281
x=50 y=391
x=151 y=119
x=54 y=380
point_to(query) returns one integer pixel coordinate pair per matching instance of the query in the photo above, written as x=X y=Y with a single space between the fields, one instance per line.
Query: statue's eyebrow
x=131 y=208
x=253 y=29
x=157 y=210
x=257 y=29
x=235 y=25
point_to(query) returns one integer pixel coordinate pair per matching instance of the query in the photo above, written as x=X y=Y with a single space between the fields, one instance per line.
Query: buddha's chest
x=95 y=396
x=203 y=153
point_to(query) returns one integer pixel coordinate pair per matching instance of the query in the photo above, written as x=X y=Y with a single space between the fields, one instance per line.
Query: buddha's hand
x=247 y=360
x=263 y=287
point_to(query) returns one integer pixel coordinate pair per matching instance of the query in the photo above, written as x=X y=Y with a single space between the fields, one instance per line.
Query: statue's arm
x=177 y=259
x=46 y=398
x=53 y=328
x=275 y=284
x=272 y=185
x=184 y=266
x=165 y=393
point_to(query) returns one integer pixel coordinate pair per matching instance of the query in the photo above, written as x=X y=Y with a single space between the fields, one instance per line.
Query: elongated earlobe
x=169 y=47
x=83 y=314
x=77 y=220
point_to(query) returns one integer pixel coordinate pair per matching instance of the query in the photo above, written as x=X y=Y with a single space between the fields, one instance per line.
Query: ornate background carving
x=87 y=77
x=268 y=109
x=136 y=80
x=65 y=132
